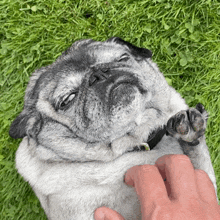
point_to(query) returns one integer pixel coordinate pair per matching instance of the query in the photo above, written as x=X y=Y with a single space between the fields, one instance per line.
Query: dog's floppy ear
x=136 y=51
x=26 y=124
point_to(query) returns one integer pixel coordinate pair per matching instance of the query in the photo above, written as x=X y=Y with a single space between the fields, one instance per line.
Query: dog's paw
x=188 y=125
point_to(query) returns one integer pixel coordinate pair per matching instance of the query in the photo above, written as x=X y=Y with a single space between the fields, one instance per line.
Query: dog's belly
x=81 y=206
x=74 y=190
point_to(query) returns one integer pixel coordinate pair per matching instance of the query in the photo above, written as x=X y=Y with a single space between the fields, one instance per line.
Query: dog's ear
x=136 y=51
x=26 y=124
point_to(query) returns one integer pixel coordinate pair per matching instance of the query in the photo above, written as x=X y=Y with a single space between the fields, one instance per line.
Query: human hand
x=186 y=194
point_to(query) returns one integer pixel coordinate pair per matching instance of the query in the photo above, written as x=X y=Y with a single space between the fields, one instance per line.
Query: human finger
x=180 y=175
x=149 y=186
x=205 y=187
x=105 y=213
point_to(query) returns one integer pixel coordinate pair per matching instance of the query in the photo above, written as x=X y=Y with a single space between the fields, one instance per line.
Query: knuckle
x=201 y=173
x=179 y=157
x=146 y=169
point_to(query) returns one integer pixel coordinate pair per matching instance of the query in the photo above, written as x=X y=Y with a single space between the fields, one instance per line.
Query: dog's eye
x=124 y=57
x=66 y=100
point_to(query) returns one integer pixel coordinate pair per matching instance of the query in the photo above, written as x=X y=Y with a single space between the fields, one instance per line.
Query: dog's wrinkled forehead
x=83 y=55
x=113 y=48
x=105 y=52
x=88 y=52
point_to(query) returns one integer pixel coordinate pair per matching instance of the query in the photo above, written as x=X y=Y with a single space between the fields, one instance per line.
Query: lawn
x=184 y=37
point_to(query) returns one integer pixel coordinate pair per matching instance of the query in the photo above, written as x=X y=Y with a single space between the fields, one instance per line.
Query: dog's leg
x=188 y=127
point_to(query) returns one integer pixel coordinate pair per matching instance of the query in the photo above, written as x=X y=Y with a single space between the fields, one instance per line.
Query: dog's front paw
x=188 y=125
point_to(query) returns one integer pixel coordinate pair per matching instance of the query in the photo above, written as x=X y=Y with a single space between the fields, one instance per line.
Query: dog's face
x=95 y=92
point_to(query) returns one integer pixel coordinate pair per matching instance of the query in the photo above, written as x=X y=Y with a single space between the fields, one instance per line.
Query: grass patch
x=183 y=36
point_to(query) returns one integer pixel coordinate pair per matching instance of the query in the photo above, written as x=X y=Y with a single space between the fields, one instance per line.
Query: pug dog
x=87 y=119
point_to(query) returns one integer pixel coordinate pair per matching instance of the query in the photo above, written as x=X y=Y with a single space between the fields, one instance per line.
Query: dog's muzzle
x=114 y=86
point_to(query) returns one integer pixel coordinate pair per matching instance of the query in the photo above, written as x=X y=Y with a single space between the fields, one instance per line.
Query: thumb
x=104 y=213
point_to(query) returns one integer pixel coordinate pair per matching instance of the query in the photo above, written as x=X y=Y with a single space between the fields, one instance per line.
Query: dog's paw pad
x=188 y=125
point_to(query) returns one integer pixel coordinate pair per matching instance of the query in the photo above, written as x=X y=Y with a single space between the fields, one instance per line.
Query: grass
x=184 y=37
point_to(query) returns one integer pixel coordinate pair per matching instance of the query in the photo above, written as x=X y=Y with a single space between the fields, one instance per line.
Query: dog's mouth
x=122 y=94
x=116 y=86
x=117 y=96
x=127 y=79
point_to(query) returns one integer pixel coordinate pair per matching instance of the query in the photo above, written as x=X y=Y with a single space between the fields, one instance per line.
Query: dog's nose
x=99 y=75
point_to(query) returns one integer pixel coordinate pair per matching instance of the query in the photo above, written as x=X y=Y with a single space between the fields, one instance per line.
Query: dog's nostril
x=93 y=79
x=98 y=76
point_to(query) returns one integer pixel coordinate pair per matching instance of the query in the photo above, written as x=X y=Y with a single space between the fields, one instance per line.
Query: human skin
x=187 y=193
